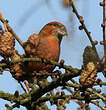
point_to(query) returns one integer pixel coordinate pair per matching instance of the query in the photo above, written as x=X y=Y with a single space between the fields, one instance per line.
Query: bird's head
x=60 y=28
x=55 y=29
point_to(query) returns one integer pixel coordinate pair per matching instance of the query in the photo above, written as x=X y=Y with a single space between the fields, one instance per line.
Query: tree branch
x=97 y=104
x=10 y=29
x=51 y=62
x=99 y=95
x=80 y=18
x=104 y=29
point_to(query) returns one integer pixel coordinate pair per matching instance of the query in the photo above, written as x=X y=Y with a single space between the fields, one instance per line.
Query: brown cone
x=89 y=55
x=88 y=76
x=7 y=43
x=16 y=69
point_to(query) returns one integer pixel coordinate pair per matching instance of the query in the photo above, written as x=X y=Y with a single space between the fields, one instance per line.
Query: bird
x=46 y=45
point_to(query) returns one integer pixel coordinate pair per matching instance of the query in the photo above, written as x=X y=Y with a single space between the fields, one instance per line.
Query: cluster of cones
x=8 y=52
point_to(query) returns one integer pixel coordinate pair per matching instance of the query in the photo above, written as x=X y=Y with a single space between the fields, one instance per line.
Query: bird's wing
x=31 y=44
x=33 y=39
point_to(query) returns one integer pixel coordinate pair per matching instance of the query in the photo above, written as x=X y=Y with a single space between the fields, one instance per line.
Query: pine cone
x=88 y=76
x=7 y=43
x=89 y=55
x=16 y=69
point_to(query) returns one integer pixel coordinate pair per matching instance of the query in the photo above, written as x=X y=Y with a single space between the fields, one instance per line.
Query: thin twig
x=55 y=97
x=8 y=28
x=97 y=104
x=51 y=62
x=80 y=18
x=104 y=29
x=3 y=21
x=101 y=83
x=13 y=106
x=14 y=34
x=99 y=95
x=78 y=85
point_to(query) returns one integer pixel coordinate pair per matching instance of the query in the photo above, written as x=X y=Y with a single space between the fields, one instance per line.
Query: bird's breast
x=48 y=49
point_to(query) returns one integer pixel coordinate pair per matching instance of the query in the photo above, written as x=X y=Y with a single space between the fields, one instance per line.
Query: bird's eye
x=56 y=25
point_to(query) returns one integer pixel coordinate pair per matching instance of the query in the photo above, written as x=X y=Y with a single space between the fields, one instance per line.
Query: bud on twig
x=102 y=4
x=16 y=94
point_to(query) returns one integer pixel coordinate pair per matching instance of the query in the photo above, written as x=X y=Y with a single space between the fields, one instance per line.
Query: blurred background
x=27 y=17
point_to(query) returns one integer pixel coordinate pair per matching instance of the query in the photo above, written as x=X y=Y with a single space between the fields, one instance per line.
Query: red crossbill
x=45 y=45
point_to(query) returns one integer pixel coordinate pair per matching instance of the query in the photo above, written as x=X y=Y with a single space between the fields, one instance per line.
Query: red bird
x=45 y=45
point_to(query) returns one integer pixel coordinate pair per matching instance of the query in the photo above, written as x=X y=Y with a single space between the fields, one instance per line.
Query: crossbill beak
x=62 y=31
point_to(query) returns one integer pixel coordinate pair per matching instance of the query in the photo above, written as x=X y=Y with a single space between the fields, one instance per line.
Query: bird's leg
x=22 y=87
x=27 y=86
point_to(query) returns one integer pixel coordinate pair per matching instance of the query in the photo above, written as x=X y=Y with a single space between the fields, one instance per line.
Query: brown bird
x=45 y=45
